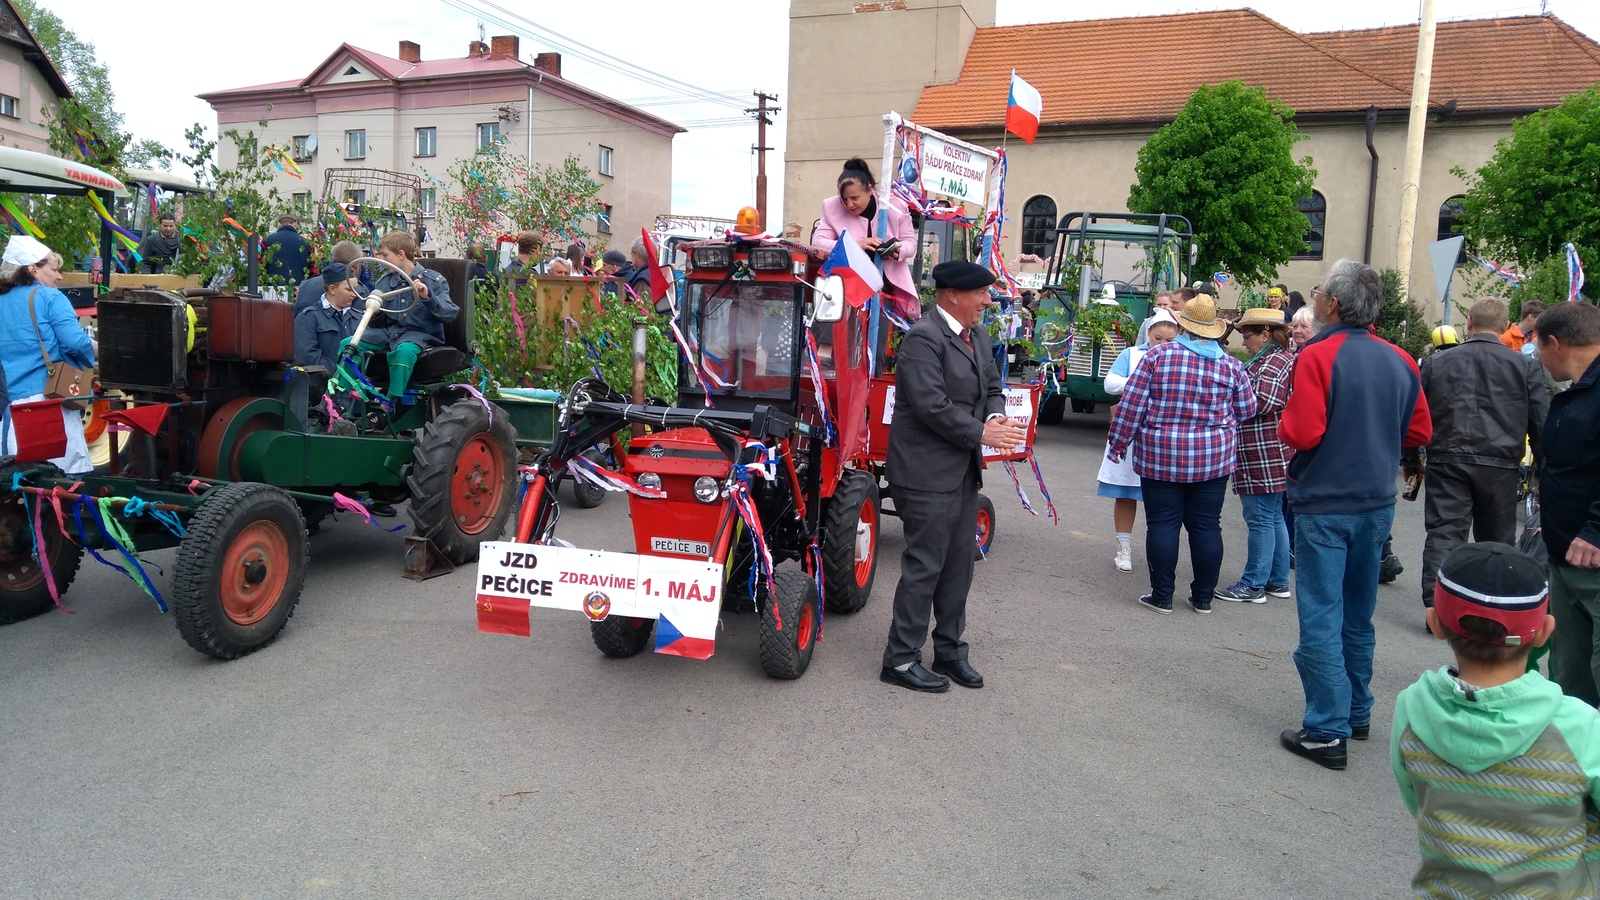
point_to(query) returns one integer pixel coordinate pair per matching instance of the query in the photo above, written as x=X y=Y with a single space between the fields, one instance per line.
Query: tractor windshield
x=1119 y=262
x=747 y=335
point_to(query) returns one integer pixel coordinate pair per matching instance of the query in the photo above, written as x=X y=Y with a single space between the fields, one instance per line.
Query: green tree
x=75 y=59
x=1540 y=190
x=1227 y=164
x=1400 y=320
x=494 y=193
x=244 y=201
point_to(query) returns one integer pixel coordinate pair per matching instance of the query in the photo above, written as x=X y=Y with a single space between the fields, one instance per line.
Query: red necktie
x=966 y=338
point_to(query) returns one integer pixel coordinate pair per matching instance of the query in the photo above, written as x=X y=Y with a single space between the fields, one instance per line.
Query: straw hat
x=1199 y=318
x=1262 y=316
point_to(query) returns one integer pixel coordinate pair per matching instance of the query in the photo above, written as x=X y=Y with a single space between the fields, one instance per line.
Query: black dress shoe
x=916 y=678
x=960 y=671
x=382 y=510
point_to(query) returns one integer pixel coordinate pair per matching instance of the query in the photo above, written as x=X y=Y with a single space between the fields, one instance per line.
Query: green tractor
x=248 y=452
x=1106 y=269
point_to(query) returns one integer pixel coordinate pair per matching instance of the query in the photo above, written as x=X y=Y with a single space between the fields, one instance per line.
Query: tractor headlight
x=649 y=481
x=706 y=489
x=769 y=259
x=716 y=256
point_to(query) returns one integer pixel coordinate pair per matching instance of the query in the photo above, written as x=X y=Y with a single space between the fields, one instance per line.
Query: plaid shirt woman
x=1261 y=477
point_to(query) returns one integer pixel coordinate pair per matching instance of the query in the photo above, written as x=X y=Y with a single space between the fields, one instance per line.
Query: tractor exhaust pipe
x=638 y=368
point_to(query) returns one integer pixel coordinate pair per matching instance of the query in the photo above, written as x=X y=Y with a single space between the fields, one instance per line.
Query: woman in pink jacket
x=856 y=210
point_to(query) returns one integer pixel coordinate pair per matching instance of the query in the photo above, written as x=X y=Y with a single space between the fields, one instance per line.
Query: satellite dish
x=311 y=144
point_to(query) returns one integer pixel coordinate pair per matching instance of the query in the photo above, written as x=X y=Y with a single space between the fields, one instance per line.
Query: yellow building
x=1109 y=84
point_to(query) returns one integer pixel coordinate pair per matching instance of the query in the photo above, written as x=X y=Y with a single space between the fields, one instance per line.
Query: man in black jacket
x=949 y=402
x=1569 y=494
x=1488 y=402
x=159 y=249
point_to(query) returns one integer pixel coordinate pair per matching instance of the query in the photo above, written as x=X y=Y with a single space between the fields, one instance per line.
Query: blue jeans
x=1268 y=559
x=1197 y=508
x=1336 y=559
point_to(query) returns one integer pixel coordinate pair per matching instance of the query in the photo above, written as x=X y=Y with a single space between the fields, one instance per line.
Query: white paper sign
x=952 y=171
x=888 y=405
x=1019 y=408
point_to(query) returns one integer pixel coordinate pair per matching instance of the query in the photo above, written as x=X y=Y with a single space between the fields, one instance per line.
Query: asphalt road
x=384 y=748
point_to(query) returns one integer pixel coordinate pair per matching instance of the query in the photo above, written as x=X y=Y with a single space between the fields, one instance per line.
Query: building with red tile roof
x=1108 y=84
x=406 y=114
x=30 y=85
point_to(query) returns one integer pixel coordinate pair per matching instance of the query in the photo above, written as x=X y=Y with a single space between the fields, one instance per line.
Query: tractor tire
x=1052 y=409
x=786 y=651
x=589 y=496
x=620 y=637
x=984 y=537
x=1083 y=406
x=463 y=479
x=24 y=592
x=850 y=542
x=240 y=570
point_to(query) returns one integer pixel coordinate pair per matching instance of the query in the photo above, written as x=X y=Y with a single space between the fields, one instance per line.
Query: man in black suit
x=949 y=401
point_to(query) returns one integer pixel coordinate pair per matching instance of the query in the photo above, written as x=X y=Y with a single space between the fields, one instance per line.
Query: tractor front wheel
x=985 y=535
x=791 y=623
x=24 y=590
x=240 y=570
x=620 y=637
x=850 y=542
x=463 y=478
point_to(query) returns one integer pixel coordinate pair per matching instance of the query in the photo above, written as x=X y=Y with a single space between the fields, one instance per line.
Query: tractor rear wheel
x=24 y=591
x=620 y=637
x=1051 y=409
x=240 y=570
x=850 y=542
x=985 y=535
x=791 y=624
x=1083 y=406
x=463 y=479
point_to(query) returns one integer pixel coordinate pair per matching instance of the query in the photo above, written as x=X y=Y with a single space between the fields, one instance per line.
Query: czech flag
x=1574 y=275
x=861 y=277
x=1023 y=108
x=661 y=290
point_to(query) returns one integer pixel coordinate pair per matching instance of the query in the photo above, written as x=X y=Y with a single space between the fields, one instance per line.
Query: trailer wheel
x=240 y=570
x=787 y=652
x=985 y=535
x=23 y=590
x=1083 y=406
x=1052 y=409
x=850 y=542
x=620 y=637
x=589 y=496
x=463 y=478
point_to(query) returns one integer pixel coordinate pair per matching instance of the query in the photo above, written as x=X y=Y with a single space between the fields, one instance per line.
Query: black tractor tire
x=983 y=537
x=24 y=592
x=786 y=650
x=240 y=570
x=1083 y=406
x=1052 y=409
x=620 y=637
x=587 y=496
x=847 y=579
x=463 y=480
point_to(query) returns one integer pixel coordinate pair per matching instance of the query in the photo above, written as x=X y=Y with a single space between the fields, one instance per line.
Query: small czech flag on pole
x=1023 y=108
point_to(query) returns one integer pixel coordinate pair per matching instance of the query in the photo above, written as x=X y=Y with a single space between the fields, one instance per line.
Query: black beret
x=962 y=276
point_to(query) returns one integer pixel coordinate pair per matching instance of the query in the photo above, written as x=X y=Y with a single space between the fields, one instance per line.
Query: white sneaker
x=1124 y=557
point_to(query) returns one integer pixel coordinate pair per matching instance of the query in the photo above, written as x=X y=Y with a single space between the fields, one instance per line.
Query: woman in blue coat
x=30 y=269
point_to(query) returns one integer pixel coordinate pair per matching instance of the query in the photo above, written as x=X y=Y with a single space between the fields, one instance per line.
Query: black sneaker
x=1148 y=601
x=1203 y=607
x=1327 y=754
x=1360 y=732
x=1281 y=591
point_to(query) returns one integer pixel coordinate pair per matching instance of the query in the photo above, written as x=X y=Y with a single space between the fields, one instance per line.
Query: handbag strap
x=36 y=333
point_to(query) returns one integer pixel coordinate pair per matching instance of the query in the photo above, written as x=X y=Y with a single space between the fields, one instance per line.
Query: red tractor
x=742 y=492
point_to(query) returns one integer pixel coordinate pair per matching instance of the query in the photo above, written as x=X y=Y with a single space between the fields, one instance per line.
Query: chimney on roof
x=410 y=52
x=548 y=62
x=477 y=48
x=504 y=45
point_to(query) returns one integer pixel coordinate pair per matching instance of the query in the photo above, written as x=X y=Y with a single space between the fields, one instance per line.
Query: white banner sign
x=1019 y=407
x=684 y=594
x=952 y=171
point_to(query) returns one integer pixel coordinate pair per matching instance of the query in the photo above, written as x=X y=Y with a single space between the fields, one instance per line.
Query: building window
x=301 y=147
x=8 y=106
x=1315 y=208
x=602 y=219
x=355 y=144
x=355 y=199
x=1449 y=213
x=429 y=200
x=605 y=160
x=302 y=202
x=488 y=134
x=427 y=142
x=1039 y=226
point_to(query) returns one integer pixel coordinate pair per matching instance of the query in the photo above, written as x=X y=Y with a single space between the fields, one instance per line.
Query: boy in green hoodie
x=1498 y=766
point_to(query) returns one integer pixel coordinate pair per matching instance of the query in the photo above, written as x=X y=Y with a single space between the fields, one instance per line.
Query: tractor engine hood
x=682 y=451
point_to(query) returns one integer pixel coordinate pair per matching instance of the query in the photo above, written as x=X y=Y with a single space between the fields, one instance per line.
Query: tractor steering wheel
x=383 y=296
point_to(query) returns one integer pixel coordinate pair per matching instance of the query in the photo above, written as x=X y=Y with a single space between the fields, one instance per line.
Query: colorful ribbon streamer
x=347 y=504
x=1574 y=275
x=589 y=472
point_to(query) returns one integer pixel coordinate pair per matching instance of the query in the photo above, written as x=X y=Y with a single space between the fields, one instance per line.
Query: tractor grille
x=1081 y=362
x=142 y=339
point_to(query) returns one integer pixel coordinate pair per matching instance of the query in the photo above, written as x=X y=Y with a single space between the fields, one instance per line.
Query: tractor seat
x=455 y=354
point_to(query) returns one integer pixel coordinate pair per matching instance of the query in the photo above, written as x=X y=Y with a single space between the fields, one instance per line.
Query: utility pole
x=1412 y=177
x=761 y=112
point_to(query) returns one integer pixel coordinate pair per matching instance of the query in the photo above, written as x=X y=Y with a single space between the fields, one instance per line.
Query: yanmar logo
x=93 y=178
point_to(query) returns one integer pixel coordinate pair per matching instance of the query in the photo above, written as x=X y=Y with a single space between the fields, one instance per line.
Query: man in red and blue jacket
x=1357 y=400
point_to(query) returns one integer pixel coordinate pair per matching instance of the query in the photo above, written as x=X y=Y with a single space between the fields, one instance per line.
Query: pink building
x=407 y=114
x=30 y=86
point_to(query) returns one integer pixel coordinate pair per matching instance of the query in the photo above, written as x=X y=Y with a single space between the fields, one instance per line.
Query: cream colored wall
x=843 y=78
x=30 y=130
x=639 y=188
